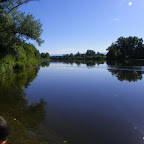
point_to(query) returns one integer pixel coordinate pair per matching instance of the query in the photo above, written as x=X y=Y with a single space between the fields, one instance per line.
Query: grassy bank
x=27 y=56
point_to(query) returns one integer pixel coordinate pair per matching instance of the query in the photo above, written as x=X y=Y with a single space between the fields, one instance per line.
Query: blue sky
x=70 y=26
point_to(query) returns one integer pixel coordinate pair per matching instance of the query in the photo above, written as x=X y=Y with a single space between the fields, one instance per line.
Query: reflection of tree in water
x=79 y=62
x=14 y=106
x=130 y=70
x=45 y=64
x=90 y=63
x=124 y=75
x=129 y=64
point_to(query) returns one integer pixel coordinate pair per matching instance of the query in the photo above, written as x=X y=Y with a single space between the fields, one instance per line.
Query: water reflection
x=130 y=76
x=131 y=70
x=138 y=126
x=84 y=106
x=45 y=63
x=126 y=70
x=23 y=118
x=90 y=106
x=126 y=64
x=79 y=62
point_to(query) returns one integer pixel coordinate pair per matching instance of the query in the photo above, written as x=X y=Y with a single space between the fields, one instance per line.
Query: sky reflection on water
x=91 y=105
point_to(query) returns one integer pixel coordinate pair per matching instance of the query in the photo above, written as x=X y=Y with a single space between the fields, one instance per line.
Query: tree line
x=89 y=55
x=124 y=48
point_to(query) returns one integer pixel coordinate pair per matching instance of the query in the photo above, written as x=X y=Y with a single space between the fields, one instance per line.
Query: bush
x=7 y=63
x=19 y=65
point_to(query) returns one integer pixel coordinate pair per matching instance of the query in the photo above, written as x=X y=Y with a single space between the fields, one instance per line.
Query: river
x=73 y=103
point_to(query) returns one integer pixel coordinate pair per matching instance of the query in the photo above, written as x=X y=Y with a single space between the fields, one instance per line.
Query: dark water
x=75 y=103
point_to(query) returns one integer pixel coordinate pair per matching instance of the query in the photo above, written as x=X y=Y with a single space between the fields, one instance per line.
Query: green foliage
x=29 y=28
x=25 y=56
x=45 y=56
x=19 y=65
x=15 y=29
x=10 y=5
x=126 y=48
x=89 y=55
x=78 y=54
x=7 y=63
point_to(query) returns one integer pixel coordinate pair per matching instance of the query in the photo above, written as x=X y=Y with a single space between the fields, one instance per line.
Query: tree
x=112 y=54
x=71 y=55
x=90 y=53
x=15 y=26
x=78 y=54
x=45 y=56
x=126 y=48
x=13 y=4
x=15 y=29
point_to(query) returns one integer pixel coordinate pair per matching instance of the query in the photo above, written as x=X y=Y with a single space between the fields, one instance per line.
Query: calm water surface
x=101 y=104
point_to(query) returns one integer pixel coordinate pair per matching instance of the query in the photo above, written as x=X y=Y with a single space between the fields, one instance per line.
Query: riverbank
x=32 y=58
x=25 y=119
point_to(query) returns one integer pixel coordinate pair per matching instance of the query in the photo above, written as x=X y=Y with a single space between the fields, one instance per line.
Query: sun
x=130 y=3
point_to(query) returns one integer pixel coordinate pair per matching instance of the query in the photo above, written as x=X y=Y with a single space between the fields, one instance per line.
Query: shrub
x=19 y=65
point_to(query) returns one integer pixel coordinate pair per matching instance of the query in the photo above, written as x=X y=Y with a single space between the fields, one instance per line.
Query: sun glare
x=130 y=3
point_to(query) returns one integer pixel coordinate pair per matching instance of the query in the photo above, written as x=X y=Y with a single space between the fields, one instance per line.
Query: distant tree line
x=126 y=48
x=89 y=55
